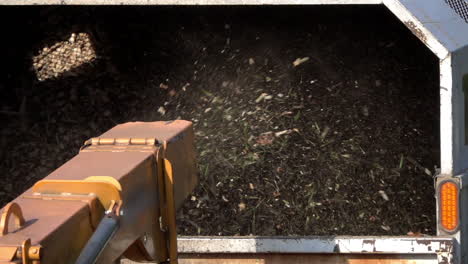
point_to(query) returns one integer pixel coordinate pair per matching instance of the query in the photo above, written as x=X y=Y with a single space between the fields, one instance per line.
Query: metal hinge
x=119 y=144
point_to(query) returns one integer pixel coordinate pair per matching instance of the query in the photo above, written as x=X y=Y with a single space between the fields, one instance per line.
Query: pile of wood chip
x=63 y=56
x=304 y=125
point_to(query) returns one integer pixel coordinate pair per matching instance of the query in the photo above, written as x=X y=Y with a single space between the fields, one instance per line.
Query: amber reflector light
x=449 y=206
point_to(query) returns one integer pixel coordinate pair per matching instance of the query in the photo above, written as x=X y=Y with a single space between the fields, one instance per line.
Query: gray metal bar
x=98 y=241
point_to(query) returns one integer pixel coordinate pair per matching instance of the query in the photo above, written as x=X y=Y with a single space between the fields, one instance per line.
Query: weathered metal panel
x=246 y=250
x=459 y=69
x=460 y=7
x=438 y=18
x=189 y=2
x=459 y=72
x=343 y=245
x=305 y=259
x=301 y=259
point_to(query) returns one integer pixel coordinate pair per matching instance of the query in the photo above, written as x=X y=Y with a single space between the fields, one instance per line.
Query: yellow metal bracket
x=106 y=188
x=171 y=213
x=165 y=233
x=25 y=252
x=169 y=216
x=11 y=209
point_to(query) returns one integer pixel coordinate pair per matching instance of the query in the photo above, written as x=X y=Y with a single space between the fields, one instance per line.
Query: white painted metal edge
x=447 y=129
x=344 y=245
x=189 y=2
x=445 y=33
x=444 y=23
x=407 y=17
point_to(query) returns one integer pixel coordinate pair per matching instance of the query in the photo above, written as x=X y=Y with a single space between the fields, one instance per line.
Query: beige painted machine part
x=58 y=215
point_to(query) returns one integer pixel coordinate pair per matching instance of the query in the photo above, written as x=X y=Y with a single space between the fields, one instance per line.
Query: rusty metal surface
x=60 y=213
x=302 y=259
x=306 y=259
x=179 y=150
x=46 y=224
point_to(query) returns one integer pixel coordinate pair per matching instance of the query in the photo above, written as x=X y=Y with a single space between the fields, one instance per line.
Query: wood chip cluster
x=63 y=56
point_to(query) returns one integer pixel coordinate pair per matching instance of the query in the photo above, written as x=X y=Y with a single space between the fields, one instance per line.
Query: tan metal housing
x=145 y=170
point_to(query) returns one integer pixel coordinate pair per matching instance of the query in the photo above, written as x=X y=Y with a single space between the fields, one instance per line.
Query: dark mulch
x=309 y=121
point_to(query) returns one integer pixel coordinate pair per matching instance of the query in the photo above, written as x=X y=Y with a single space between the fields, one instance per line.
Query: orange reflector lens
x=449 y=206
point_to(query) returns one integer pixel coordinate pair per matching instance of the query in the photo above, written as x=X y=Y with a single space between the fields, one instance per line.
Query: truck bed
x=298 y=250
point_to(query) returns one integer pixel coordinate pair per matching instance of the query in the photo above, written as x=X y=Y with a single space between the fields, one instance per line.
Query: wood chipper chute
x=116 y=198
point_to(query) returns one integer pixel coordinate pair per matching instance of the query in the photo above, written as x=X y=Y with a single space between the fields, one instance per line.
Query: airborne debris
x=286 y=132
x=427 y=171
x=162 y=110
x=172 y=92
x=386 y=227
x=263 y=96
x=299 y=61
x=365 y=111
x=324 y=132
x=266 y=138
x=383 y=195
x=242 y=206
x=64 y=56
x=415 y=234
x=344 y=172
x=184 y=88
